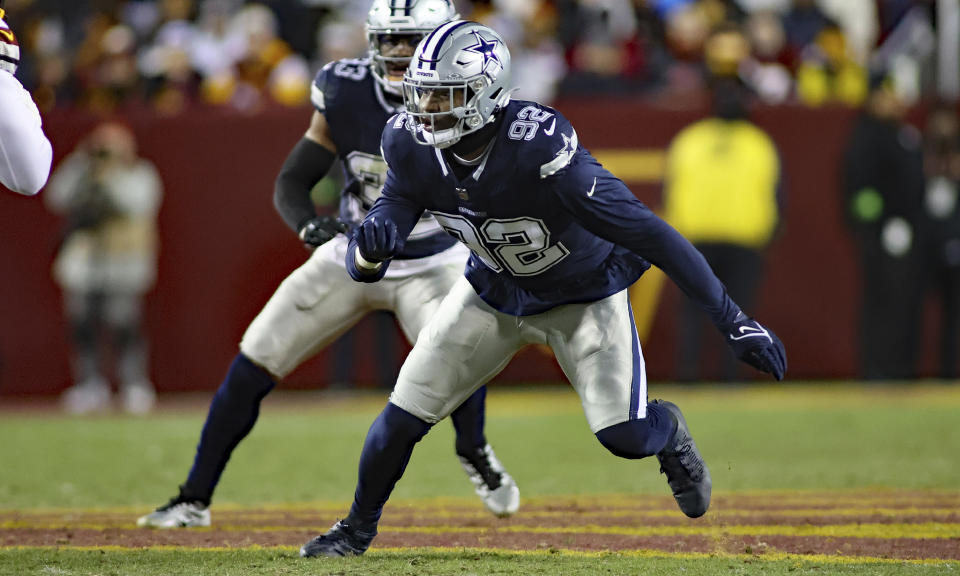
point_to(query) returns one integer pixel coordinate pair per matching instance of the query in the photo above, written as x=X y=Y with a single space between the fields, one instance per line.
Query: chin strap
x=476 y=140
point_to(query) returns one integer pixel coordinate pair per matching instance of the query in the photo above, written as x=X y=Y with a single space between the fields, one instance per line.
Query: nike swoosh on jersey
x=553 y=126
x=592 y=188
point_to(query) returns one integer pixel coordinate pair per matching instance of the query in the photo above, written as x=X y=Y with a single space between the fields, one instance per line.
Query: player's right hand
x=377 y=239
x=757 y=346
x=320 y=230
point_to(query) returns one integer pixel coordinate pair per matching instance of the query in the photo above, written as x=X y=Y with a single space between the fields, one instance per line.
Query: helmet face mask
x=458 y=79
x=389 y=57
x=442 y=112
x=394 y=28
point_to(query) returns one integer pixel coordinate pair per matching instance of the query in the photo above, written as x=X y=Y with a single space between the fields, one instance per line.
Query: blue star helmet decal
x=486 y=49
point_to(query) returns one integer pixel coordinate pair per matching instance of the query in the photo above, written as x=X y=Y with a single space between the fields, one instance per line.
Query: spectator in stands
x=721 y=191
x=109 y=198
x=767 y=71
x=883 y=189
x=165 y=61
x=803 y=23
x=828 y=73
x=604 y=54
x=112 y=79
x=941 y=221
x=529 y=28
x=200 y=50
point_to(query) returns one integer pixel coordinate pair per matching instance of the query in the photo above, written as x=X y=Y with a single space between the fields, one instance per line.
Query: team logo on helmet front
x=486 y=49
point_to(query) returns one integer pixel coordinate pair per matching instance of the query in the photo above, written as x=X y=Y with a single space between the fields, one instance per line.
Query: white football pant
x=467 y=343
x=319 y=301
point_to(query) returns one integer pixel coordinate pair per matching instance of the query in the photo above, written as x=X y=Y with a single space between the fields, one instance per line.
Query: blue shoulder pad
x=328 y=82
x=547 y=137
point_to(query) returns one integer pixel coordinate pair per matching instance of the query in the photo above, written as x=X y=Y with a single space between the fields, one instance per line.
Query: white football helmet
x=459 y=77
x=392 y=22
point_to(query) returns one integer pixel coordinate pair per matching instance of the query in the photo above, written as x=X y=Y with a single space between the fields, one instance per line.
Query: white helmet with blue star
x=391 y=22
x=457 y=80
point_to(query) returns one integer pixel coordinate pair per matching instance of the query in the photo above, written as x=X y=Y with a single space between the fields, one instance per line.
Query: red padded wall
x=224 y=249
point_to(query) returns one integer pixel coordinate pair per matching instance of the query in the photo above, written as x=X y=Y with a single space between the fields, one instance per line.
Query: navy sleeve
x=394 y=205
x=395 y=202
x=604 y=205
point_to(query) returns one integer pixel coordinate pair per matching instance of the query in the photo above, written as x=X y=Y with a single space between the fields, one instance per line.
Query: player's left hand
x=320 y=230
x=378 y=239
x=757 y=346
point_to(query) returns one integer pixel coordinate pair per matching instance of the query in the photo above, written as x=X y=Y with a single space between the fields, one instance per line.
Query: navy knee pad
x=396 y=428
x=635 y=439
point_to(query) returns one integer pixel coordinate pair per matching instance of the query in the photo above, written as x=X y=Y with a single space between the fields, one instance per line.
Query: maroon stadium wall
x=224 y=249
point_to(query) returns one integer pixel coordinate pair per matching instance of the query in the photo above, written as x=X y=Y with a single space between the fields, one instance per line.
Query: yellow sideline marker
x=633 y=165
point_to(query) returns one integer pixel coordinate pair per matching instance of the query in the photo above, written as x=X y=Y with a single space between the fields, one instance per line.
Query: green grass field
x=830 y=437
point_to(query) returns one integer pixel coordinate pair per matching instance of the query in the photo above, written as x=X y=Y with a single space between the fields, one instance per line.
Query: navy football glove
x=377 y=239
x=320 y=230
x=757 y=346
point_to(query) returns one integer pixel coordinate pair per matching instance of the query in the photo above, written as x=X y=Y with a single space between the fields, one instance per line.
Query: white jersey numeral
x=351 y=69
x=529 y=120
x=464 y=231
x=521 y=245
x=371 y=171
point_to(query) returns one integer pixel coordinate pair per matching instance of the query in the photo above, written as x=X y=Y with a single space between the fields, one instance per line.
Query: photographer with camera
x=106 y=262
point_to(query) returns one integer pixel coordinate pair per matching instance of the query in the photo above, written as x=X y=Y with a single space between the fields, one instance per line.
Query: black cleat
x=341 y=540
x=686 y=471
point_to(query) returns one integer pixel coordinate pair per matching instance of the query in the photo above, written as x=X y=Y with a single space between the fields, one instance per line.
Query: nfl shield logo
x=462 y=194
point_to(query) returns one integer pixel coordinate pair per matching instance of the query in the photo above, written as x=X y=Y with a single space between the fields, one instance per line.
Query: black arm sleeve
x=306 y=165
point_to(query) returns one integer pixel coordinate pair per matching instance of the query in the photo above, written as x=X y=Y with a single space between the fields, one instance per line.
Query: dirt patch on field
x=901 y=525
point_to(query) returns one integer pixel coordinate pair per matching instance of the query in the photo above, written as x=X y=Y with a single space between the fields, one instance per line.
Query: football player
x=319 y=301
x=25 y=152
x=555 y=242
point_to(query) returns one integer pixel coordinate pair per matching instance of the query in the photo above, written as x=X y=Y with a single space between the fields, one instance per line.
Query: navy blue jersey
x=355 y=109
x=546 y=223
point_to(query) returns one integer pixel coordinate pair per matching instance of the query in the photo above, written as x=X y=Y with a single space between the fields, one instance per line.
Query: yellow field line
x=30 y=519
x=713 y=515
x=782 y=500
x=926 y=530
x=460 y=551
x=874 y=531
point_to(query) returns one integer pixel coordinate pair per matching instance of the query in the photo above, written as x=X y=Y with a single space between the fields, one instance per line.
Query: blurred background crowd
x=169 y=54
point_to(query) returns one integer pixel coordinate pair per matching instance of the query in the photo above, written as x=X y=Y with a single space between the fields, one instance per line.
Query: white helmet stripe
x=435 y=40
